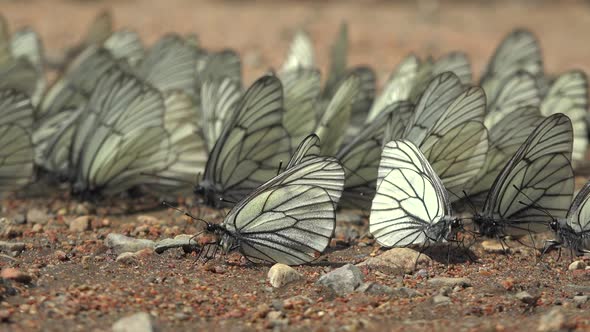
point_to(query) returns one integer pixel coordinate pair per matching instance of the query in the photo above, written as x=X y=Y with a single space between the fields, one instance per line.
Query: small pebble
x=80 y=224
x=280 y=275
x=19 y=219
x=139 y=322
x=441 y=299
x=11 y=246
x=121 y=243
x=37 y=216
x=16 y=275
x=396 y=259
x=61 y=255
x=579 y=300
x=450 y=282
x=493 y=246
x=552 y=321
x=343 y=280
x=127 y=258
x=577 y=265
x=524 y=296
x=37 y=228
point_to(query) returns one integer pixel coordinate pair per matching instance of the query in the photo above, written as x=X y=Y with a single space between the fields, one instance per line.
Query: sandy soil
x=77 y=285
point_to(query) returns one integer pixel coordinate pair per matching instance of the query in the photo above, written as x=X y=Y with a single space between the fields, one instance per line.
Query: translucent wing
x=224 y=64
x=519 y=51
x=364 y=97
x=308 y=147
x=540 y=175
x=398 y=87
x=289 y=224
x=53 y=142
x=578 y=216
x=569 y=95
x=187 y=150
x=73 y=89
x=361 y=156
x=300 y=54
x=338 y=61
x=100 y=28
x=121 y=137
x=336 y=118
x=432 y=105
x=504 y=140
x=16 y=152
x=125 y=44
x=455 y=62
x=170 y=65
x=252 y=145
x=302 y=90
x=517 y=91
x=409 y=199
x=219 y=100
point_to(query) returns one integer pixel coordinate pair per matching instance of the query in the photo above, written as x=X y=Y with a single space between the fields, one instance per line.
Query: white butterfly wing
x=219 y=100
x=540 y=172
x=569 y=95
x=289 y=224
x=300 y=54
x=125 y=44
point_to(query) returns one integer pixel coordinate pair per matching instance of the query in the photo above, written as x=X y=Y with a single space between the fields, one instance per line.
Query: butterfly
x=290 y=219
x=573 y=231
x=447 y=126
x=251 y=146
x=360 y=158
x=411 y=205
x=539 y=173
x=121 y=136
x=568 y=94
x=519 y=51
x=16 y=148
x=21 y=61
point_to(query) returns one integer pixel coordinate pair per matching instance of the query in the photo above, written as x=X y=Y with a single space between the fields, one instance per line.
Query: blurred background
x=381 y=32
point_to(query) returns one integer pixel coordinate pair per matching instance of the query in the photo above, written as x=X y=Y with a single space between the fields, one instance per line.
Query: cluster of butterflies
x=287 y=152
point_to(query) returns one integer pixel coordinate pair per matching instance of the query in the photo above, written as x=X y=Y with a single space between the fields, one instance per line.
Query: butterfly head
x=486 y=226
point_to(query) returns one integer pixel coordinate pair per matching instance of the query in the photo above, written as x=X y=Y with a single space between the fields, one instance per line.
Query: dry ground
x=77 y=285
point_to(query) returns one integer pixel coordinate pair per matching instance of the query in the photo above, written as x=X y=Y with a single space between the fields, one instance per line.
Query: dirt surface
x=69 y=279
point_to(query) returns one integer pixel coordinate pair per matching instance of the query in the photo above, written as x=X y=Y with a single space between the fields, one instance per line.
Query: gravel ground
x=61 y=271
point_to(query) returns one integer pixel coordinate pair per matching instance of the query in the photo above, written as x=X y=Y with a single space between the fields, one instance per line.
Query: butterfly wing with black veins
x=334 y=121
x=517 y=91
x=574 y=231
x=16 y=148
x=125 y=44
x=519 y=51
x=309 y=147
x=301 y=55
x=455 y=62
x=361 y=156
x=250 y=147
x=121 y=137
x=338 y=62
x=447 y=126
x=411 y=205
x=504 y=138
x=73 y=89
x=26 y=44
x=569 y=95
x=219 y=100
x=291 y=218
x=219 y=65
x=302 y=90
x=398 y=87
x=170 y=64
x=15 y=72
x=538 y=176
x=188 y=151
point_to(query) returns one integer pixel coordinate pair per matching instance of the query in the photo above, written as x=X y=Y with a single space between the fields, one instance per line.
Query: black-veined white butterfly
x=360 y=158
x=447 y=126
x=16 y=148
x=539 y=174
x=519 y=51
x=291 y=218
x=411 y=205
x=251 y=146
x=573 y=231
x=568 y=94
x=121 y=136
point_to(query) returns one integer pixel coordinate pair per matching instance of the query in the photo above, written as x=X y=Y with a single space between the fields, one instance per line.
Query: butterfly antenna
x=186 y=213
x=280 y=167
x=533 y=204
x=225 y=200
